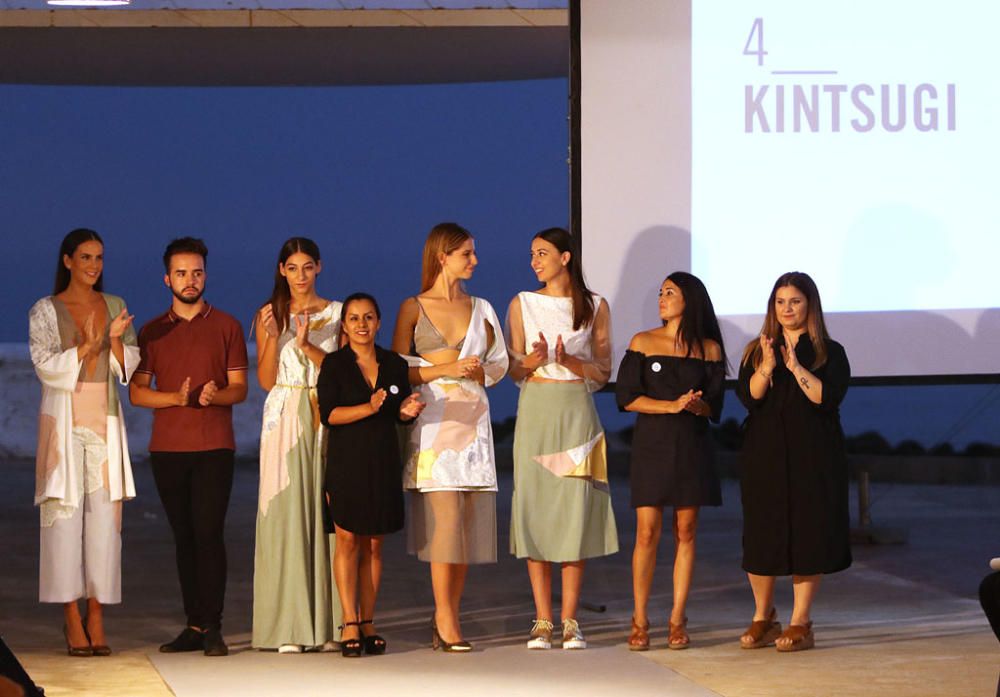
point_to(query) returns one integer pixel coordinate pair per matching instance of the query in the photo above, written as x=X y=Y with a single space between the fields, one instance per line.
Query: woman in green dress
x=295 y=606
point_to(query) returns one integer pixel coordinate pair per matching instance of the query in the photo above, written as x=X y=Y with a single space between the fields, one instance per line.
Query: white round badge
x=656 y=367
x=393 y=389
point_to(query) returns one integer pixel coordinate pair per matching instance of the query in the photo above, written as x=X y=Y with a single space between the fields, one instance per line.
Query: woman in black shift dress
x=672 y=376
x=363 y=391
x=794 y=485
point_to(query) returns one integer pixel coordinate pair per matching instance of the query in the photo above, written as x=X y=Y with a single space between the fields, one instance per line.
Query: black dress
x=672 y=462
x=364 y=470
x=794 y=483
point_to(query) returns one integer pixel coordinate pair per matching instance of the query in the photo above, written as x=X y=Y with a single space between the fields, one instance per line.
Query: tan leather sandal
x=638 y=640
x=762 y=632
x=801 y=636
x=678 y=637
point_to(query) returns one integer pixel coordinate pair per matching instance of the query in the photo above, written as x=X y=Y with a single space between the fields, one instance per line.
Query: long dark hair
x=444 y=238
x=69 y=244
x=281 y=296
x=815 y=324
x=698 y=321
x=583 y=299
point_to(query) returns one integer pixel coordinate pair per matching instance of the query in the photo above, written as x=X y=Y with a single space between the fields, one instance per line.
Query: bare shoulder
x=408 y=308
x=641 y=342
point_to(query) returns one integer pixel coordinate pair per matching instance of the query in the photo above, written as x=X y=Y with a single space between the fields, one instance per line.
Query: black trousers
x=194 y=488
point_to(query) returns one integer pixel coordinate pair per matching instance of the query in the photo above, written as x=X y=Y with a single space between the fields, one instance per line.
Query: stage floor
x=902 y=620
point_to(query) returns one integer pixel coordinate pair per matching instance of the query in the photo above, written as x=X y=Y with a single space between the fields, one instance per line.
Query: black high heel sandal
x=374 y=645
x=350 y=648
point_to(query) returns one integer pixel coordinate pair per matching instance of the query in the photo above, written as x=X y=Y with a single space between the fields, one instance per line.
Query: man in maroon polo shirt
x=197 y=357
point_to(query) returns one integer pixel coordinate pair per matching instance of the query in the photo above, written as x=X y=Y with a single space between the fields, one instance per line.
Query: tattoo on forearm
x=805 y=383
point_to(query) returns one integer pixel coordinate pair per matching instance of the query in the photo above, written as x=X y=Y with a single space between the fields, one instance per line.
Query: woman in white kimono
x=454 y=345
x=294 y=605
x=82 y=346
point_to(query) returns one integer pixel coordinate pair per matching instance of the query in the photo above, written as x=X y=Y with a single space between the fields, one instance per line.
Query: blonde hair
x=444 y=238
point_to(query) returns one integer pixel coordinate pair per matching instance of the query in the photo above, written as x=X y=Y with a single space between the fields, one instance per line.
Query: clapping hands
x=411 y=407
x=377 y=399
x=266 y=319
x=768 y=360
x=301 y=329
x=119 y=324
x=689 y=401
x=788 y=352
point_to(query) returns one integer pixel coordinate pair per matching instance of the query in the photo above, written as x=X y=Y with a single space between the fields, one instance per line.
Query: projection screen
x=855 y=141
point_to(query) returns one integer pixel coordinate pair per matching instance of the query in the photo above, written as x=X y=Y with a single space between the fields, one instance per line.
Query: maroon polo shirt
x=203 y=348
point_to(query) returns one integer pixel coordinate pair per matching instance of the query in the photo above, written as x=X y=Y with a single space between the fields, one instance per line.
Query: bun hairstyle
x=70 y=242
x=444 y=238
x=815 y=324
x=583 y=299
x=281 y=296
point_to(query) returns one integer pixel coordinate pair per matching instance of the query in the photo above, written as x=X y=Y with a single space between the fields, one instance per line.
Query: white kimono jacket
x=450 y=445
x=56 y=476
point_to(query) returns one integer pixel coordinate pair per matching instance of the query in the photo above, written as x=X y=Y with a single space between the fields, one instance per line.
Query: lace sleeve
x=56 y=368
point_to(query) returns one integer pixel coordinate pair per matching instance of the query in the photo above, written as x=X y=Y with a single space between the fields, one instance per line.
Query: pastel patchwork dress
x=294 y=600
x=83 y=471
x=450 y=467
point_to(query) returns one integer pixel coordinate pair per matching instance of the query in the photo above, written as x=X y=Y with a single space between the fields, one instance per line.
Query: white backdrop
x=855 y=141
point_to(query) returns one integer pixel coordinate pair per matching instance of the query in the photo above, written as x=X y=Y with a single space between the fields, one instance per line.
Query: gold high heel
x=438 y=643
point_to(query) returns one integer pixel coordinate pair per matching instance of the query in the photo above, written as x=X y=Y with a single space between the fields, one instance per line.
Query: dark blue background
x=364 y=171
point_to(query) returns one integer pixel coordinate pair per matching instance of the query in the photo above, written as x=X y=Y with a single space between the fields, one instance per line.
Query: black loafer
x=215 y=645
x=188 y=640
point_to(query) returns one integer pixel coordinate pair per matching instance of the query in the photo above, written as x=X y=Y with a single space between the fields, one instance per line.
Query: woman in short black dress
x=363 y=391
x=672 y=376
x=794 y=486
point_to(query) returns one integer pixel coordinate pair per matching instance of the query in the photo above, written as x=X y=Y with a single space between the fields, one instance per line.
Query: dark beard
x=188 y=300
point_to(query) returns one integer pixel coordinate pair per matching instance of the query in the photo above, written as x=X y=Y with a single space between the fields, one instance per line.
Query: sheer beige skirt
x=453 y=527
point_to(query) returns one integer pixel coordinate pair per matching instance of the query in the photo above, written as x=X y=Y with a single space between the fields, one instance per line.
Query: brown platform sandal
x=762 y=632
x=638 y=640
x=678 y=637
x=801 y=635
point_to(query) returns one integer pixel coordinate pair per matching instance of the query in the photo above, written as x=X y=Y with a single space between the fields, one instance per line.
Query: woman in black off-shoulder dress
x=673 y=377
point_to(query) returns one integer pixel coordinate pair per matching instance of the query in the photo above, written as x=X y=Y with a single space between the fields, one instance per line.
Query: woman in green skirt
x=560 y=347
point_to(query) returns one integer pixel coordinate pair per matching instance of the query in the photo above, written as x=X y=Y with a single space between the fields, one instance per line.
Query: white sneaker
x=572 y=635
x=541 y=635
x=290 y=648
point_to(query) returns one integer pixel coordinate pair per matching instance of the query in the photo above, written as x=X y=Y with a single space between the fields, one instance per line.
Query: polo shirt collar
x=206 y=309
